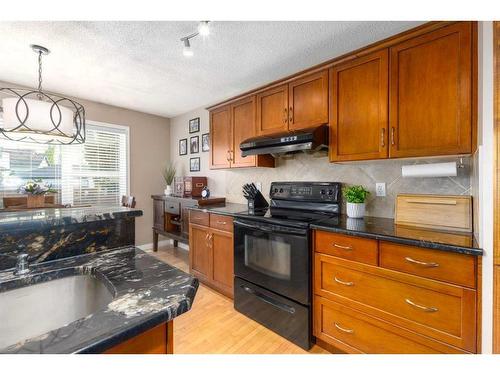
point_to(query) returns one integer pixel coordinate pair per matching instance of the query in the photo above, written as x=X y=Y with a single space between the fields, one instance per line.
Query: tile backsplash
x=304 y=167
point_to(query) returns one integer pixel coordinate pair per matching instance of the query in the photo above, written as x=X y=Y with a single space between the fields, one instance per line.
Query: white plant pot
x=356 y=210
x=168 y=190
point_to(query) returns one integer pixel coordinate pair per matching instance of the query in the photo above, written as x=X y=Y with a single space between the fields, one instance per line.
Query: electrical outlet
x=380 y=189
x=259 y=186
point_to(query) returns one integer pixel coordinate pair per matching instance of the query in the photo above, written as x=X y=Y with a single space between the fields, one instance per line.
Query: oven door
x=274 y=257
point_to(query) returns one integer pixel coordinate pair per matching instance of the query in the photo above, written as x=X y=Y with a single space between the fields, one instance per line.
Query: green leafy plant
x=355 y=194
x=169 y=173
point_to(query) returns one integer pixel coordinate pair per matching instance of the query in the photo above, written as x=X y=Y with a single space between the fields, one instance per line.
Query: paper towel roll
x=430 y=170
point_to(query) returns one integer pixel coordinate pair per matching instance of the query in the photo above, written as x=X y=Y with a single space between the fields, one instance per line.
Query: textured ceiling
x=139 y=65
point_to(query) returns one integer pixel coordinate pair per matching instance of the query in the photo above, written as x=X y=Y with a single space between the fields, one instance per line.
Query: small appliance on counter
x=272 y=256
x=256 y=200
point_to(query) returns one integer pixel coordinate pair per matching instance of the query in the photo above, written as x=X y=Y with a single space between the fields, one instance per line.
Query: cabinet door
x=220 y=138
x=272 y=110
x=430 y=93
x=159 y=214
x=308 y=101
x=359 y=108
x=200 y=252
x=223 y=263
x=243 y=123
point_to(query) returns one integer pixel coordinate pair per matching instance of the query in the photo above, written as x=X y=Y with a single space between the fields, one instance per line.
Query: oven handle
x=271 y=228
x=269 y=300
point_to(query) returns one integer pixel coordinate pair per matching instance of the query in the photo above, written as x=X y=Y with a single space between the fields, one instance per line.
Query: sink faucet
x=22 y=265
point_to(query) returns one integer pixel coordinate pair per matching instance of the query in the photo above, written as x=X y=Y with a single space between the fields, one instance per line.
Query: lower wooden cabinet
x=211 y=250
x=393 y=307
x=157 y=340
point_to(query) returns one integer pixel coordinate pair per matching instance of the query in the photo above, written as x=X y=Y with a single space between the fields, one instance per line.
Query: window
x=93 y=173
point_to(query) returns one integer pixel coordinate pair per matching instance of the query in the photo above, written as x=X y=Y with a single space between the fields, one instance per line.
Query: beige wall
x=306 y=167
x=149 y=152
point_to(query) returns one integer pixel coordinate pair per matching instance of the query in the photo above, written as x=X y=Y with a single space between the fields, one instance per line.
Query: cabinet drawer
x=198 y=217
x=221 y=222
x=172 y=207
x=441 y=311
x=434 y=264
x=355 y=332
x=348 y=247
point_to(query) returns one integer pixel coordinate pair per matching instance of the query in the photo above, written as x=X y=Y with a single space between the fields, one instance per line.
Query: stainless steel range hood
x=313 y=139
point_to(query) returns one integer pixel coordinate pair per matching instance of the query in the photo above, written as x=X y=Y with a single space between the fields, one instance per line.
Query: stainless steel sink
x=36 y=309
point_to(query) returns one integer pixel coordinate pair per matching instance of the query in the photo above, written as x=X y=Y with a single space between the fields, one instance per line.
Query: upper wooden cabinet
x=229 y=126
x=220 y=138
x=308 y=101
x=431 y=93
x=359 y=108
x=272 y=110
x=302 y=103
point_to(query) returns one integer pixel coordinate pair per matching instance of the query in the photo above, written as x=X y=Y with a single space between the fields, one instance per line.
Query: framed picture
x=183 y=146
x=194 y=125
x=205 y=142
x=194 y=144
x=194 y=164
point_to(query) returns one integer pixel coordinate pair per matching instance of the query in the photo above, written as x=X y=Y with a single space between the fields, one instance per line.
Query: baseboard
x=149 y=246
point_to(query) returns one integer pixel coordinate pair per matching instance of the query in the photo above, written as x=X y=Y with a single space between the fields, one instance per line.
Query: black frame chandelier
x=35 y=116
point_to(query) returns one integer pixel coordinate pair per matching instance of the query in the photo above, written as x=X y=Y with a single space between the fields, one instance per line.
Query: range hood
x=313 y=139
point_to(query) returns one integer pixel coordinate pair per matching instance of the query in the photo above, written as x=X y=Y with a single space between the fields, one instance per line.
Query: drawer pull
x=347 y=283
x=342 y=247
x=221 y=222
x=425 y=308
x=346 y=330
x=425 y=264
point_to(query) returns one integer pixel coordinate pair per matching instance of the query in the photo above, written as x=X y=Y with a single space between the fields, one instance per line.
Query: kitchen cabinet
x=157 y=340
x=302 y=103
x=359 y=108
x=211 y=250
x=419 y=300
x=229 y=126
x=431 y=97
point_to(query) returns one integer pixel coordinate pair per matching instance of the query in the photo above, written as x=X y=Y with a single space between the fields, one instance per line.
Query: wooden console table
x=171 y=216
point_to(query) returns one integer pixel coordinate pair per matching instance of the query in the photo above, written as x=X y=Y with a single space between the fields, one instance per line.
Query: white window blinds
x=93 y=173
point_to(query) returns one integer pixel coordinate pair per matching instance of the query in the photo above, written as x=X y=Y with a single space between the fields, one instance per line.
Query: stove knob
x=275 y=190
x=330 y=192
x=281 y=190
x=322 y=192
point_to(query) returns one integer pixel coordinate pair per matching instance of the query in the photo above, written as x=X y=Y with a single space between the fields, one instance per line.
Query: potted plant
x=35 y=192
x=168 y=175
x=356 y=200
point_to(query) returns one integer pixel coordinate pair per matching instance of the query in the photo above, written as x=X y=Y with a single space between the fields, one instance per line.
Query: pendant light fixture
x=39 y=117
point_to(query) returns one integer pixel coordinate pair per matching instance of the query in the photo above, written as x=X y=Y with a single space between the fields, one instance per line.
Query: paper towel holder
x=461 y=164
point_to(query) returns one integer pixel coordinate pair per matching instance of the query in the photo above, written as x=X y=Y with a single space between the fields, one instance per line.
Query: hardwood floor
x=212 y=326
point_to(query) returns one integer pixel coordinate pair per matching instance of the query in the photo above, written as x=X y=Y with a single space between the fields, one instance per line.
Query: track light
x=203 y=28
x=187 y=51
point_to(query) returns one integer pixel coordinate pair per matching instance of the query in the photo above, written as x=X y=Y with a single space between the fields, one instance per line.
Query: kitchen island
x=146 y=295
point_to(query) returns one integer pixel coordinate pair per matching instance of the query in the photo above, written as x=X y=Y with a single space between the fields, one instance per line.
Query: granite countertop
x=385 y=229
x=228 y=208
x=47 y=217
x=147 y=292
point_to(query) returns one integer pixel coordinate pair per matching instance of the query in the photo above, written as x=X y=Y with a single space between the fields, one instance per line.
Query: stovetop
x=287 y=217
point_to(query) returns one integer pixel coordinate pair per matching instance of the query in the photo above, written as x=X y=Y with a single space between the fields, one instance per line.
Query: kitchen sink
x=32 y=310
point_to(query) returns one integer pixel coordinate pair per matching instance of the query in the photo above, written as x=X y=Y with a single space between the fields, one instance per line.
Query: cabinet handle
x=347 y=283
x=206 y=239
x=342 y=247
x=228 y=156
x=425 y=308
x=425 y=264
x=290 y=114
x=221 y=222
x=392 y=136
x=346 y=330
x=286 y=115
x=231 y=155
x=209 y=242
x=382 y=137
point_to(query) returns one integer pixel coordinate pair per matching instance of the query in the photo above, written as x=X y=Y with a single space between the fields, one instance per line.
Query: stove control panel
x=306 y=191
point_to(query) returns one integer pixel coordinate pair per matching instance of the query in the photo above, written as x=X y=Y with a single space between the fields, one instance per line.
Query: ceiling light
x=203 y=28
x=187 y=50
x=36 y=116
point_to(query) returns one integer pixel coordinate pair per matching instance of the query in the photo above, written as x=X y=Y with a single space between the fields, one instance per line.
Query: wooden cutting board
x=440 y=212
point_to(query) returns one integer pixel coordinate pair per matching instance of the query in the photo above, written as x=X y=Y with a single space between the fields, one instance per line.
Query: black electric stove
x=272 y=256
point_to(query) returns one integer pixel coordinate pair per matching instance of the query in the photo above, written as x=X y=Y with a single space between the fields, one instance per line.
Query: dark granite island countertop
x=229 y=209
x=385 y=229
x=146 y=292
